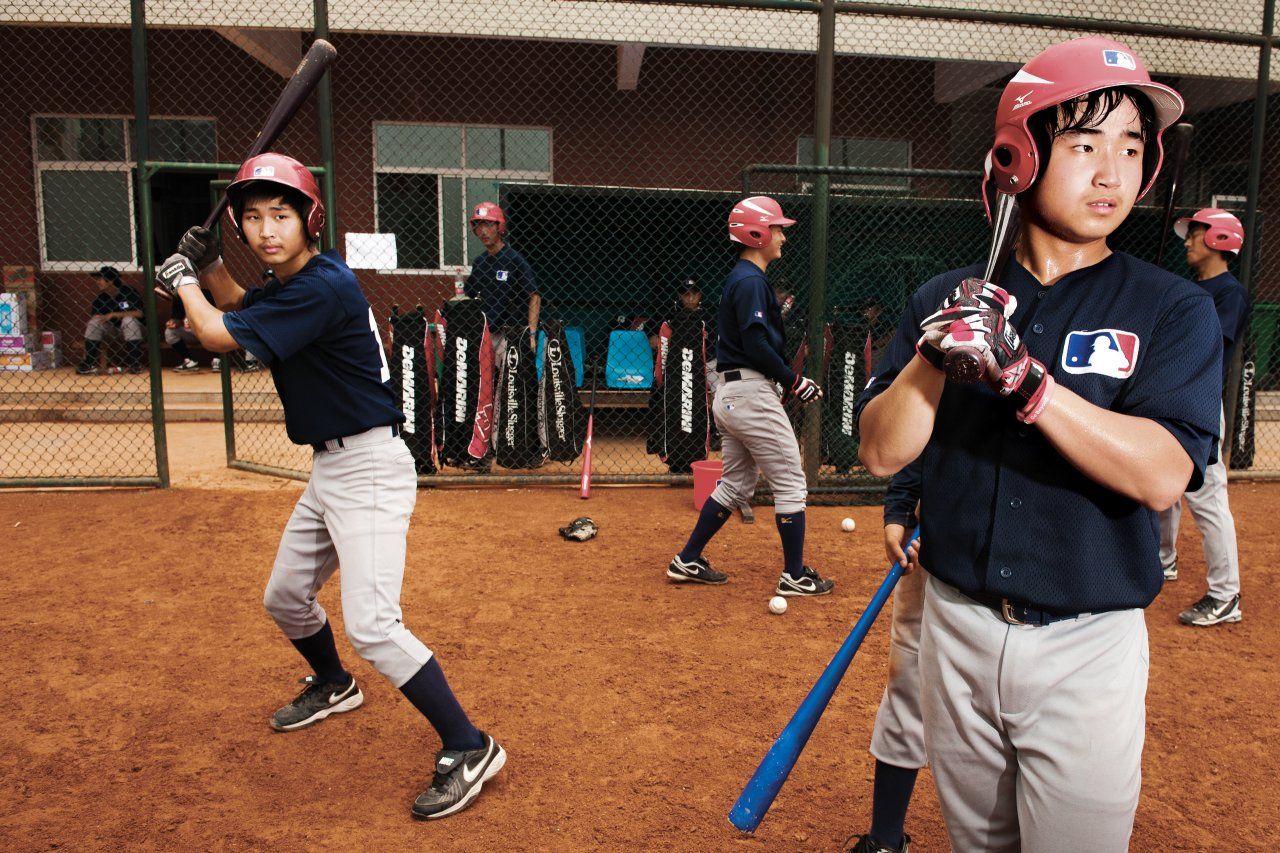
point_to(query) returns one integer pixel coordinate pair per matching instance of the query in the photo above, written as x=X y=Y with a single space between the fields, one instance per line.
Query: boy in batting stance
x=1211 y=237
x=311 y=324
x=1041 y=483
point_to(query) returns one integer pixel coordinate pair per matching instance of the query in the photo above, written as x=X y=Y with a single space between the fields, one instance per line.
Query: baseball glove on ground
x=580 y=530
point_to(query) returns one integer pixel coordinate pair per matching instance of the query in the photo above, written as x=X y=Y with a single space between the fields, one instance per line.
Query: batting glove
x=200 y=247
x=805 y=390
x=1013 y=372
x=177 y=271
x=971 y=299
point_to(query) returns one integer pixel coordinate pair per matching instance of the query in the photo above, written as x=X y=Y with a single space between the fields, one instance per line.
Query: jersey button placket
x=1006 y=572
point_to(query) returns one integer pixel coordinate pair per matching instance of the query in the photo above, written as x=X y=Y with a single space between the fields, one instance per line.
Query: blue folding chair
x=629 y=362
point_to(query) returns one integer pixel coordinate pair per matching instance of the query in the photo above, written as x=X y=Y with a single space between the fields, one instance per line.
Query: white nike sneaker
x=317 y=701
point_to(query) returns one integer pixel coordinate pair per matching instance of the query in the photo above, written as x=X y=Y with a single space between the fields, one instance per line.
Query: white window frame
x=864 y=183
x=128 y=166
x=462 y=174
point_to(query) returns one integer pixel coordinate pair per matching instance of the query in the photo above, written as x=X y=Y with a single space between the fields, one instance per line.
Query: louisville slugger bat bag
x=681 y=426
x=466 y=383
x=846 y=375
x=516 y=442
x=1242 y=423
x=560 y=410
x=414 y=386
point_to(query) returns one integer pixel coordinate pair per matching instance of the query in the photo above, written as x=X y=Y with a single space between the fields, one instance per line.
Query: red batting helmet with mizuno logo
x=282 y=170
x=1060 y=74
x=751 y=218
x=487 y=211
x=1222 y=230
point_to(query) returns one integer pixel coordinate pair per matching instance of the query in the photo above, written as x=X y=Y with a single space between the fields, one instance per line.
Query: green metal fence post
x=324 y=116
x=818 y=241
x=141 y=153
x=1251 y=204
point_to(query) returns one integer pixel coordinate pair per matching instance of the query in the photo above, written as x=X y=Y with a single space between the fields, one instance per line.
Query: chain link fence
x=614 y=137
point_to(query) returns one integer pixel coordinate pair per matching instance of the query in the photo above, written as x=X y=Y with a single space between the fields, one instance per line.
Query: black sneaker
x=867 y=844
x=460 y=774
x=86 y=369
x=1212 y=611
x=809 y=583
x=697 y=570
x=317 y=701
x=1171 y=572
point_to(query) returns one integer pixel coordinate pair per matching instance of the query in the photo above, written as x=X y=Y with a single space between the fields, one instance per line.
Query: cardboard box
x=27 y=361
x=19 y=276
x=50 y=340
x=13 y=314
x=17 y=343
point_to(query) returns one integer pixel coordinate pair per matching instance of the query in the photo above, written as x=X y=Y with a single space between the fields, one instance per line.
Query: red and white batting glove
x=805 y=389
x=1012 y=371
x=960 y=320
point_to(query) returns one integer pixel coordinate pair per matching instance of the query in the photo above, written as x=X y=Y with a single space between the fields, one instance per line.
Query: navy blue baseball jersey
x=1230 y=302
x=317 y=334
x=902 y=495
x=503 y=283
x=1003 y=511
x=748 y=302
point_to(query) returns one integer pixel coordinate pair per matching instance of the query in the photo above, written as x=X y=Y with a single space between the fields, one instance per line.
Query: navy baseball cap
x=110 y=274
x=688 y=284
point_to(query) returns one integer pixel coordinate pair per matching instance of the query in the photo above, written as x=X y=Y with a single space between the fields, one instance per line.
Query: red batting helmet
x=282 y=170
x=750 y=219
x=1223 y=231
x=487 y=211
x=1060 y=74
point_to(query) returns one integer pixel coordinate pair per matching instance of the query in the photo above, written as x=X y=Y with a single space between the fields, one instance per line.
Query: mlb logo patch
x=500 y=275
x=760 y=314
x=264 y=171
x=1108 y=352
x=1119 y=59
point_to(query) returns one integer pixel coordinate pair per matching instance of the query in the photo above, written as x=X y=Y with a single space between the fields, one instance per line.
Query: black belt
x=1018 y=614
x=320 y=446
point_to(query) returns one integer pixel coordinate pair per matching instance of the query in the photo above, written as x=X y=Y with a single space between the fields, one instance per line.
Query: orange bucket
x=706 y=476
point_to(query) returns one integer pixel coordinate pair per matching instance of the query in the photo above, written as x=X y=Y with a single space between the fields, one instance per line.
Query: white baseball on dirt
x=778 y=605
x=847 y=525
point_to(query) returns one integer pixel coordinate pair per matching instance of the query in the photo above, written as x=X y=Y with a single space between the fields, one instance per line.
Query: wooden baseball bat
x=1177 y=144
x=584 y=491
x=769 y=777
x=966 y=364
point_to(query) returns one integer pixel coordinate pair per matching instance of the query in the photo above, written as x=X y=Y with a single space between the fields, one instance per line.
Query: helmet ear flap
x=1014 y=160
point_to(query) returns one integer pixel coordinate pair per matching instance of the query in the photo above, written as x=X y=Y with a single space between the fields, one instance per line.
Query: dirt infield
x=143 y=670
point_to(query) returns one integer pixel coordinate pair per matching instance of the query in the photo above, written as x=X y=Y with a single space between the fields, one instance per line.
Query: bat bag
x=845 y=377
x=414 y=385
x=466 y=383
x=516 y=442
x=1242 y=422
x=680 y=425
x=562 y=422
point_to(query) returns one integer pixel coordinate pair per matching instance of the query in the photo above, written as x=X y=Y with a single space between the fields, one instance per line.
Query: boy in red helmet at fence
x=1098 y=406
x=313 y=327
x=1212 y=237
x=500 y=277
x=756 y=435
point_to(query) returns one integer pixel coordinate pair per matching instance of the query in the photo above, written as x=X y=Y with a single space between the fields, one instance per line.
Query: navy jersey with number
x=1003 y=511
x=318 y=335
x=503 y=283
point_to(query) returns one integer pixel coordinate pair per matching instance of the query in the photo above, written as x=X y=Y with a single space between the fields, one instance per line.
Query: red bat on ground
x=585 y=491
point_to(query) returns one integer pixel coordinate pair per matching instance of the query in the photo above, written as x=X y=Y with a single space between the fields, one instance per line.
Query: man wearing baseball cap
x=115 y=315
x=1212 y=238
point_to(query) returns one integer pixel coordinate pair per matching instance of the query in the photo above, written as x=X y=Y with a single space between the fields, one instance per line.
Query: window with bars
x=84 y=183
x=428 y=176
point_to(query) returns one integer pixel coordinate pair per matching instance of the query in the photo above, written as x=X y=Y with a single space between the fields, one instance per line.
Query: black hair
x=1089 y=111
x=256 y=192
x=1226 y=256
